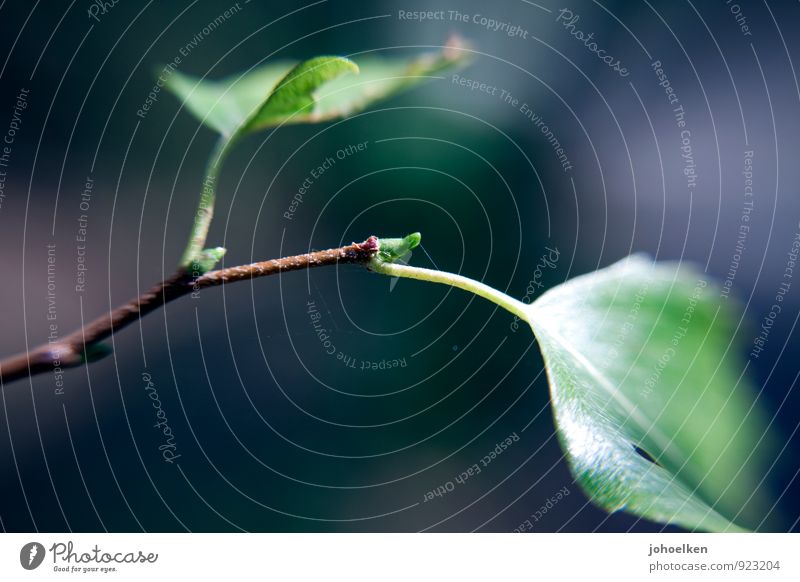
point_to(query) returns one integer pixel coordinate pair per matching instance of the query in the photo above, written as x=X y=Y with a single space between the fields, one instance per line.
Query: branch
x=84 y=344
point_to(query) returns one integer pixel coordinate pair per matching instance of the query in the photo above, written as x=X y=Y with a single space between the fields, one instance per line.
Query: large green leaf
x=641 y=362
x=318 y=89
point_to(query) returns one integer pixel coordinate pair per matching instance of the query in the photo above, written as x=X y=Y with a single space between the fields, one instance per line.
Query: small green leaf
x=311 y=91
x=282 y=92
x=641 y=362
x=380 y=78
x=225 y=105
x=294 y=94
x=394 y=249
x=234 y=108
x=208 y=259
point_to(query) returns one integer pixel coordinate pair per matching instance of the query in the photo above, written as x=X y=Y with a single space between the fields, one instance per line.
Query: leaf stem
x=205 y=206
x=505 y=301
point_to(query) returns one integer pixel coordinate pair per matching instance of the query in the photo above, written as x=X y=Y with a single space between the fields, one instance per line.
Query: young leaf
x=394 y=249
x=312 y=91
x=207 y=260
x=294 y=94
x=315 y=90
x=380 y=78
x=224 y=105
x=641 y=364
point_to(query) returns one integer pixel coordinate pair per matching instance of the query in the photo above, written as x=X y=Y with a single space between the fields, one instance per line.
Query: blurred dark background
x=275 y=434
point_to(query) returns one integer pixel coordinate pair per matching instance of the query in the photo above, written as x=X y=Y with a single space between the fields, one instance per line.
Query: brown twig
x=77 y=347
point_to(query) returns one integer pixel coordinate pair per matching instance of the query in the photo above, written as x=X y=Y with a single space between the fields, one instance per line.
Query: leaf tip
x=455 y=47
x=352 y=65
x=413 y=240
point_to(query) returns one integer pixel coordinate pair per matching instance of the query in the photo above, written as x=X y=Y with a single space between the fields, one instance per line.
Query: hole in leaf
x=645 y=455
